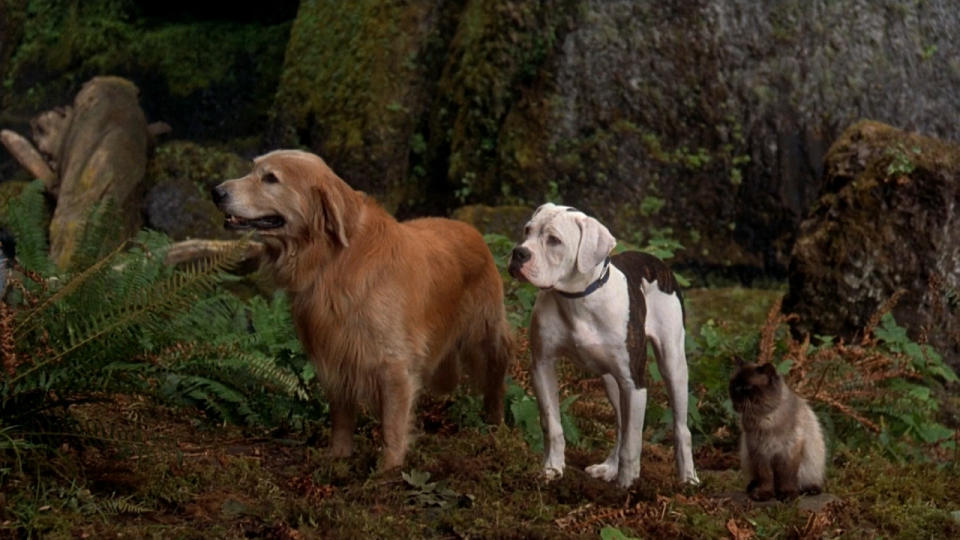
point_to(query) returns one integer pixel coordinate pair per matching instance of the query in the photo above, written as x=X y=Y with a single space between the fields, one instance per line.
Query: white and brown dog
x=598 y=311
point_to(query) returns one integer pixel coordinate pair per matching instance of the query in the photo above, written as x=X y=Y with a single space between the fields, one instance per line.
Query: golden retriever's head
x=289 y=194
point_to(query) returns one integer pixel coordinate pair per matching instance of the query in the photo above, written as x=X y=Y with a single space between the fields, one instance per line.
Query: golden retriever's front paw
x=339 y=451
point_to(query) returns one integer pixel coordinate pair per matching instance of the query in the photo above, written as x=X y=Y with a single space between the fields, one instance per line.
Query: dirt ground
x=161 y=472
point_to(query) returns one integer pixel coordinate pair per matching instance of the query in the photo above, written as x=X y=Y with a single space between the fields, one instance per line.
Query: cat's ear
x=769 y=370
x=738 y=362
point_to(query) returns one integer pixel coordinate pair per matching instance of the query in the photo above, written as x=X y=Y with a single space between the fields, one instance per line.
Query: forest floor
x=181 y=476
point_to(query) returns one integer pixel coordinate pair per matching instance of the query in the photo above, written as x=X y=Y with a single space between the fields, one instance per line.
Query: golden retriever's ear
x=331 y=214
x=596 y=242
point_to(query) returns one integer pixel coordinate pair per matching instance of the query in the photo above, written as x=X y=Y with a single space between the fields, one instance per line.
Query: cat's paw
x=761 y=493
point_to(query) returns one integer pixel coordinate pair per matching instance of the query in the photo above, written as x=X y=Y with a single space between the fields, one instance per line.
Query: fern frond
x=252 y=367
x=27 y=219
x=147 y=308
x=123 y=505
x=64 y=291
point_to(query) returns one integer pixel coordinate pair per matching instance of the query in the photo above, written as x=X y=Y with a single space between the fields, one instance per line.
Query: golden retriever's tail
x=498 y=353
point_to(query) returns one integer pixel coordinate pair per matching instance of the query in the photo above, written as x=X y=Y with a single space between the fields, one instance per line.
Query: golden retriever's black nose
x=218 y=194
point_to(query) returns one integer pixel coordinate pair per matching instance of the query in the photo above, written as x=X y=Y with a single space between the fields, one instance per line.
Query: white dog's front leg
x=608 y=469
x=544 y=377
x=633 y=405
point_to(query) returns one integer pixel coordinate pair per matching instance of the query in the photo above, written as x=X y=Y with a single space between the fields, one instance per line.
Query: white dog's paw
x=604 y=471
x=626 y=476
x=552 y=473
x=690 y=480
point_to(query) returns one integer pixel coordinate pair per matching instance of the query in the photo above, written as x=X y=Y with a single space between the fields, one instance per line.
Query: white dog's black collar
x=604 y=276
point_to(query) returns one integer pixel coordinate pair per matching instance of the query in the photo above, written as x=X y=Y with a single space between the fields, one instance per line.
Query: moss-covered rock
x=706 y=119
x=723 y=110
x=495 y=57
x=887 y=222
x=99 y=147
x=354 y=86
x=179 y=178
x=505 y=220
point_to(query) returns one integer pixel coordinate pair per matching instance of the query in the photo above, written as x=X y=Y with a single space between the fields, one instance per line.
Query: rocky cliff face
x=708 y=120
x=711 y=118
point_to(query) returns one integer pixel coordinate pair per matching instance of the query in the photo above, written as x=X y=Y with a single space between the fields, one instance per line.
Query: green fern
x=122 y=505
x=28 y=218
x=129 y=319
x=69 y=322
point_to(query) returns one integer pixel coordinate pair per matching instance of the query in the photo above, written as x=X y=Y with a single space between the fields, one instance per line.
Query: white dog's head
x=560 y=245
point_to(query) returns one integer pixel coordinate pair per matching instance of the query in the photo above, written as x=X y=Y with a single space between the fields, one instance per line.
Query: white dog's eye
x=270 y=178
x=553 y=241
x=526 y=231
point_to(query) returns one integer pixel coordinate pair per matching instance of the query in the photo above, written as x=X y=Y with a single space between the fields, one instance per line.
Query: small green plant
x=518 y=297
x=422 y=492
x=901 y=164
x=466 y=189
x=524 y=413
x=553 y=193
x=614 y=533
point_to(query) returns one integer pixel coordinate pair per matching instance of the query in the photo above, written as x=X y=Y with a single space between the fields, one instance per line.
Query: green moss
x=346 y=65
x=193 y=57
x=202 y=165
x=499 y=48
x=351 y=88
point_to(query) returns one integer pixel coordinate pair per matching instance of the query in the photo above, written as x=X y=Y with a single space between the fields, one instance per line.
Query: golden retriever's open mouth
x=261 y=223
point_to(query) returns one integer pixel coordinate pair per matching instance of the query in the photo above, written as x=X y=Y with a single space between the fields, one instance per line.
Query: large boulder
x=888 y=221
x=356 y=82
x=179 y=178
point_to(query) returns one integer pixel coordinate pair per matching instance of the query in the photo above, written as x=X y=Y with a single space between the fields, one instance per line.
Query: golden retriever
x=382 y=307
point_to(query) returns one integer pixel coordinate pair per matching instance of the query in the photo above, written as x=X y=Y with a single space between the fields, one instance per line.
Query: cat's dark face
x=755 y=385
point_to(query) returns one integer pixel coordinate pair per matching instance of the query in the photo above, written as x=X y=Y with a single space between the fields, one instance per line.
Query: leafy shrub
x=524 y=412
x=518 y=297
x=879 y=391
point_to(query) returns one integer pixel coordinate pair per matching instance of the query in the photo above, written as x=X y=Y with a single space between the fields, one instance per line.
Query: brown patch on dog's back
x=637 y=267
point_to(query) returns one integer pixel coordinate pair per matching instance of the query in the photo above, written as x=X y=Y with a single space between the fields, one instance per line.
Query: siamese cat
x=781 y=443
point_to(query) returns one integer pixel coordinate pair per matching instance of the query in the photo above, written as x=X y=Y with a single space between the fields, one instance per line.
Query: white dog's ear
x=596 y=242
x=541 y=208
